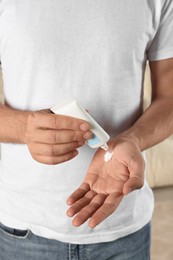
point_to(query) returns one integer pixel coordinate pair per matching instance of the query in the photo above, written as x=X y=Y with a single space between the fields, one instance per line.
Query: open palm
x=106 y=183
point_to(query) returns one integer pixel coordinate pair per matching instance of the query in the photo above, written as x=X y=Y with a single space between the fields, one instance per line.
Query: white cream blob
x=108 y=155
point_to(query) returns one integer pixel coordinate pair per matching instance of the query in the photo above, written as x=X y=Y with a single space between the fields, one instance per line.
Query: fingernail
x=76 y=223
x=70 y=213
x=81 y=143
x=69 y=201
x=84 y=127
x=87 y=135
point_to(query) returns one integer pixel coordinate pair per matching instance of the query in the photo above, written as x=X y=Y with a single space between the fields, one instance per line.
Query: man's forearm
x=155 y=125
x=12 y=125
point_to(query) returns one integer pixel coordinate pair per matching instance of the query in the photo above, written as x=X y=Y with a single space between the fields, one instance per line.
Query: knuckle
x=74 y=145
x=76 y=136
x=52 y=137
x=52 y=151
x=63 y=122
x=28 y=136
x=55 y=121
x=33 y=120
x=71 y=123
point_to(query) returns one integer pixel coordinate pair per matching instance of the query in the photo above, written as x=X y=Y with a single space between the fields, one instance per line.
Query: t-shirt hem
x=85 y=238
x=102 y=237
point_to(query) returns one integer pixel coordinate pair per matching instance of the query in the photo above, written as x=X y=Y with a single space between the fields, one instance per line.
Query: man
x=96 y=52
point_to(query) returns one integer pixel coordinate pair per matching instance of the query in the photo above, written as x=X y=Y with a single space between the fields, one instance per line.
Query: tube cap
x=105 y=147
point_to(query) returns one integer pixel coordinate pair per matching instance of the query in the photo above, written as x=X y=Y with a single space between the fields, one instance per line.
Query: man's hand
x=105 y=184
x=54 y=139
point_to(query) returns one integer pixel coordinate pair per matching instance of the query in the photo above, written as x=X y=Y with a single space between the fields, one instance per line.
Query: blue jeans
x=24 y=245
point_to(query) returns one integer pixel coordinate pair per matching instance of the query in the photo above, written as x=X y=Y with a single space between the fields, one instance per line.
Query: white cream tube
x=74 y=109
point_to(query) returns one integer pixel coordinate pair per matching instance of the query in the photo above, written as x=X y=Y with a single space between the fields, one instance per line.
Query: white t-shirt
x=94 y=51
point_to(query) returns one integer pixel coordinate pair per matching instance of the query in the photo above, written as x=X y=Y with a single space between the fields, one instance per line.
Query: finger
x=56 y=149
x=79 y=193
x=53 y=121
x=81 y=203
x=89 y=210
x=55 y=160
x=57 y=136
x=132 y=184
x=136 y=180
x=108 y=207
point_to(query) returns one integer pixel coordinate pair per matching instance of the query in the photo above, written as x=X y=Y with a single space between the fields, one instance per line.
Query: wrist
x=22 y=119
x=130 y=137
x=13 y=125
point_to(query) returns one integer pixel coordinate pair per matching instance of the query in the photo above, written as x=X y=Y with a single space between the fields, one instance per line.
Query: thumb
x=136 y=178
x=132 y=184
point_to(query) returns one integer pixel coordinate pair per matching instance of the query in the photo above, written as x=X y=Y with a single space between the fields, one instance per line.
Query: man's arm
x=156 y=123
x=12 y=125
x=51 y=138
x=105 y=184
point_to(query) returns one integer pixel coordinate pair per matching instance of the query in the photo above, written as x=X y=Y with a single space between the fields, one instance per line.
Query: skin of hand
x=106 y=183
x=53 y=139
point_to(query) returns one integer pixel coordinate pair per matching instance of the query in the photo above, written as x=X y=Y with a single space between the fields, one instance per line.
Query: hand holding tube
x=54 y=139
